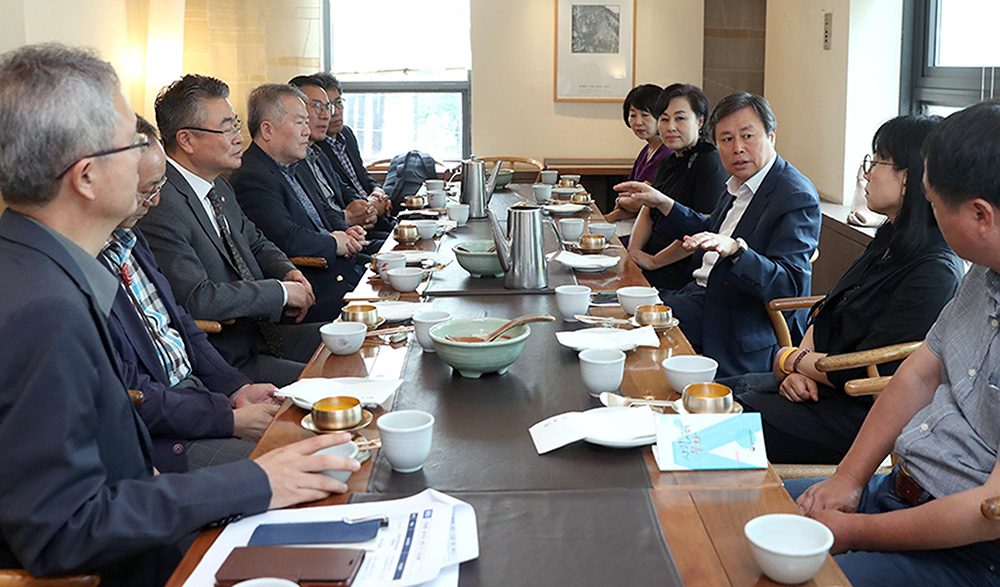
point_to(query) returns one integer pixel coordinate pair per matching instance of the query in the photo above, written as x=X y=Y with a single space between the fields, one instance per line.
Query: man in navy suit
x=754 y=247
x=285 y=202
x=78 y=491
x=199 y=410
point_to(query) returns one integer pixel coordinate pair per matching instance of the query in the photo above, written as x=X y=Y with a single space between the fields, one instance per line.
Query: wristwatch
x=739 y=251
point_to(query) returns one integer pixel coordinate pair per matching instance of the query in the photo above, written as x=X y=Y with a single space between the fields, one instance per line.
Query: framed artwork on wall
x=595 y=50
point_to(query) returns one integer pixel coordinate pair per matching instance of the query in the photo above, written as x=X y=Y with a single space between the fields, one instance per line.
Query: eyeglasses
x=339 y=103
x=869 y=163
x=229 y=133
x=321 y=107
x=141 y=142
x=147 y=198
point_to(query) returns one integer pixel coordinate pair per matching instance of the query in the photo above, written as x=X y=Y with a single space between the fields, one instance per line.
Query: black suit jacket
x=354 y=155
x=202 y=274
x=174 y=415
x=269 y=201
x=77 y=483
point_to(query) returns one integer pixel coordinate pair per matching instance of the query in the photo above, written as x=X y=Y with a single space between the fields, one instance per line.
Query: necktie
x=268 y=330
x=303 y=199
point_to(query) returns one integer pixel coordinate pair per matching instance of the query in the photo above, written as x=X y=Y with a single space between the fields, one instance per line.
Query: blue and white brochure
x=705 y=442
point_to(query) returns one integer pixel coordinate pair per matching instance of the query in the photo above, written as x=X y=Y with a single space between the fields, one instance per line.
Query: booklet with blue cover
x=702 y=442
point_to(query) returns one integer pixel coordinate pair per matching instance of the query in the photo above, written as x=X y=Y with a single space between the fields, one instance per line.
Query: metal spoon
x=613 y=400
x=496 y=333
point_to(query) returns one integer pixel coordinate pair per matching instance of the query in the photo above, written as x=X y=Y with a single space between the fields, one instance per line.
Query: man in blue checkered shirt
x=199 y=410
x=921 y=524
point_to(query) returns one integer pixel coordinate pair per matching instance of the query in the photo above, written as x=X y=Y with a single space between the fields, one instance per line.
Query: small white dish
x=604 y=438
x=564 y=208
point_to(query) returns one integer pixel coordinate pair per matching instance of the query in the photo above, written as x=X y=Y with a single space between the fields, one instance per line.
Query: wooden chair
x=22 y=578
x=525 y=169
x=775 y=309
x=871 y=385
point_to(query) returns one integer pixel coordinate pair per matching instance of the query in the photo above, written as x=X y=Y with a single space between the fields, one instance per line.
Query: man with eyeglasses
x=285 y=200
x=341 y=147
x=199 y=410
x=357 y=209
x=78 y=490
x=220 y=266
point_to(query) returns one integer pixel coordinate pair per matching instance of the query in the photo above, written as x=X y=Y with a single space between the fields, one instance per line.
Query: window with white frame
x=404 y=68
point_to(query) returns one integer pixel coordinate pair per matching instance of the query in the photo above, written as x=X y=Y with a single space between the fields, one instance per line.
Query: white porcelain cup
x=633 y=296
x=605 y=229
x=387 y=261
x=459 y=213
x=422 y=322
x=343 y=338
x=550 y=176
x=434 y=184
x=572 y=300
x=571 y=228
x=349 y=450
x=437 y=198
x=405 y=279
x=426 y=228
x=542 y=192
x=602 y=369
x=406 y=438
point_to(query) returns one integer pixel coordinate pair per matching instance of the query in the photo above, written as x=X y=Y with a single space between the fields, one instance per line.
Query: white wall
x=513 y=112
x=829 y=103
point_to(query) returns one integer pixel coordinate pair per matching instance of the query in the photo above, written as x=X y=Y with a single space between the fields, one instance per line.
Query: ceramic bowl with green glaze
x=472 y=359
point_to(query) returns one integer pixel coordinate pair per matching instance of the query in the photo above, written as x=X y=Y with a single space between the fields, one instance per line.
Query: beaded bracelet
x=781 y=362
x=798 y=359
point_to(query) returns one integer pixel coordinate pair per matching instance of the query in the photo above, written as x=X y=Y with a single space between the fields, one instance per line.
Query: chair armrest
x=22 y=578
x=209 y=326
x=866 y=386
x=137 y=397
x=314 y=262
x=785 y=304
x=990 y=508
x=867 y=357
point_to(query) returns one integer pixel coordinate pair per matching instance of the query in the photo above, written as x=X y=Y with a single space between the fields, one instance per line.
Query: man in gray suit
x=218 y=263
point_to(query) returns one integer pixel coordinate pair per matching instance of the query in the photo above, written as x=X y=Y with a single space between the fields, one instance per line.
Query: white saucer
x=617 y=442
x=366 y=419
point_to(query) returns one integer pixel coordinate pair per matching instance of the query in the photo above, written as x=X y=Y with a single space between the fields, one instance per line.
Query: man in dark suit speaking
x=754 y=247
x=219 y=264
x=78 y=491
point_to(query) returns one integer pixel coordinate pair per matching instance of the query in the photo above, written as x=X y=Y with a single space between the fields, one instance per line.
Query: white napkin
x=578 y=261
x=397 y=311
x=369 y=391
x=609 y=338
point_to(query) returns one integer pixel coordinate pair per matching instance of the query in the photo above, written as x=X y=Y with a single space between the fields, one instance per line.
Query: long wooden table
x=701 y=514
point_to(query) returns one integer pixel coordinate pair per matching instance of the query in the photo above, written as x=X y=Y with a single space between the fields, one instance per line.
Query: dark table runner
x=597 y=537
x=481 y=440
x=453 y=280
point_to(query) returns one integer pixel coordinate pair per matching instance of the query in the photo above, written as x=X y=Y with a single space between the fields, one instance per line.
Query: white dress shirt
x=744 y=194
